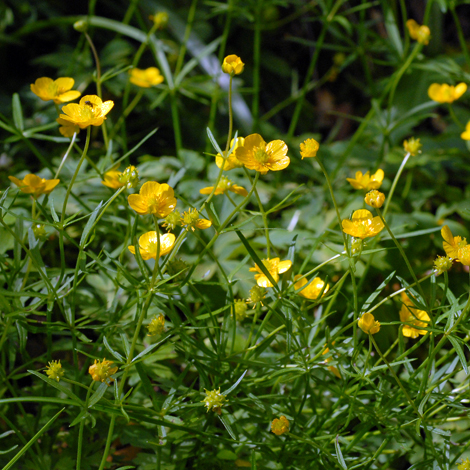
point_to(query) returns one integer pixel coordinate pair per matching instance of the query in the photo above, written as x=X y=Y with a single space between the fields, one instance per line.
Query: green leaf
x=58 y=386
x=17 y=112
x=31 y=441
x=377 y=291
x=112 y=351
x=225 y=422
x=339 y=454
x=235 y=385
x=89 y=225
x=459 y=351
x=98 y=395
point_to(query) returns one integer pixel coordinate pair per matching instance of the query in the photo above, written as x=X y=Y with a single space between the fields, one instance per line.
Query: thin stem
x=189 y=25
x=394 y=184
x=80 y=431
x=256 y=64
x=463 y=43
x=390 y=368
x=65 y=155
x=230 y=115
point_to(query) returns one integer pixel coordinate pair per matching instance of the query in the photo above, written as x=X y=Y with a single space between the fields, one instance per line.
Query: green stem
x=65 y=155
x=463 y=43
x=80 y=431
x=176 y=121
x=403 y=254
x=256 y=64
x=230 y=116
x=454 y=116
x=390 y=368
x=189 y=25
x=395 y=181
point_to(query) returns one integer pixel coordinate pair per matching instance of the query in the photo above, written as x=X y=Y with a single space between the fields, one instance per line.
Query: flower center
x=261 y=155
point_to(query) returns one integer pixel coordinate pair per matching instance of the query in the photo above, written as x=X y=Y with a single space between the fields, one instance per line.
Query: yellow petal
x=362 y=214
x=284 y=266
x=203 y=224
x=64 y=83
x=460 y=89
x=138 y=203
x=93 y=99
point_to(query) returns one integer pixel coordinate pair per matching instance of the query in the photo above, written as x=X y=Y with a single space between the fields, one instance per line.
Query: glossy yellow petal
x=64 y=84
x=50 y=185
x=460 y=89
x=362 y=214
x=95 y=100
x=238 y=190
x=284 y=266
x=434 y=92
x=138 y=203
x=202 y=224
x=263 y=281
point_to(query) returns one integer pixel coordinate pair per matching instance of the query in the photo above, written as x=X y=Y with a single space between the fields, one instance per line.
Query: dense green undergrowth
x=252 y=342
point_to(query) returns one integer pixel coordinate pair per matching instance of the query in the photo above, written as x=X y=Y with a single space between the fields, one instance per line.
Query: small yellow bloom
x=331 y=368
x=414 y=318
x=443 y=93
x=368 y=324
x=309 y=148
x=148 y=245
x=214 y=401
x=67 y=128
x=452 y=244
x=366 y=181
x=153 y=198
x=239 y=307
x=442 y=264
x=313 y=290
x=362 y=225
x=146 y=78
x=156 y=326
x=115 y=179
x=101 y=371
x=191 y=220
x=464 y=465
x=60 y=90
x=280 y=426
x=465 y=135
x=225 y=185
x=257 y=155
x=420 y=33
x=160 y=19
x=231 y=161
x=463 y=255
x=375 y=198
x=412 y=146
x=257 y=294
x=54 y=370
x=35 y=185
x=275 y=267
x=233 y=65
x=91 y=111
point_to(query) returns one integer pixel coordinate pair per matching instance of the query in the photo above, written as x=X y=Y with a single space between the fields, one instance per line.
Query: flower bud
x=81 y=26
x=412 y=146
x=368 y=324
x=240 y=309
x=39 y=231
x=233 y=65
x=129 y=177
x=160 y=19
x=442 y=264
x=375 y=199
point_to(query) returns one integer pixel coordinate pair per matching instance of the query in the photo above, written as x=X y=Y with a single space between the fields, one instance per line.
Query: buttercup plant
x=160 y=312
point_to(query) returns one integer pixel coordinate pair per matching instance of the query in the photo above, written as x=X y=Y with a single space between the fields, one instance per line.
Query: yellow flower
x=275 y=267
x=191 y=220
x=35 y=185
x=280 y=426
x=313 y=290
x=91 y=111
x=231 y=161
x=54 y=370
x=60 y=90
x=366 y=181
x=214 y=401
x=331 y=368
x=375 y=198
x=115 y=179
x=101 y=371
x=239 y=307
x=257 y=294
x=309 y=148
x=362 y=225
x=442 y=264
x=415 y=318
x=464 y=465
x=422 y=33
x=233 y=64
x=412 y=146
x=465 y=135
x=156 y=326
x=146 y=78
x=452 y=244
x=463 y=255
x=148 y=244
x=368 y=324
x=225 y=185
x=67 y=128
x=446 y=93
x=257 y=155
x=160 y=19
x=153 y=198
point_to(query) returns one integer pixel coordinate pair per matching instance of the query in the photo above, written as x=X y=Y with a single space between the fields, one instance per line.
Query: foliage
x=160 y=312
